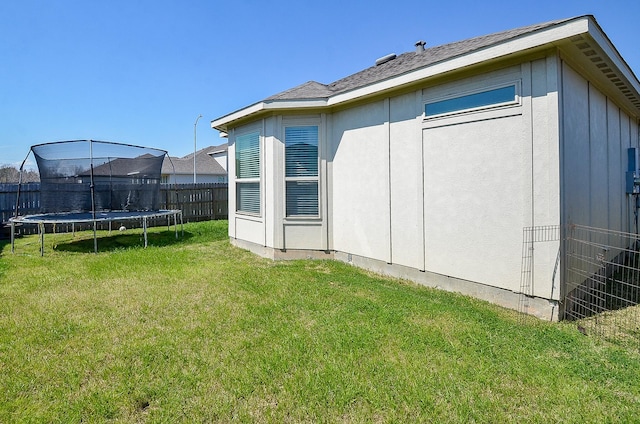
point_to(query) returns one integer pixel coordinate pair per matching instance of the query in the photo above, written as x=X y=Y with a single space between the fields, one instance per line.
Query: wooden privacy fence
x=198 y=202
x=29 y=200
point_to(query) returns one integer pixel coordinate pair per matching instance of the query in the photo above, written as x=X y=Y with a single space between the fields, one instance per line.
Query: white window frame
x=247 y=180
x=316 y=178
x=517 y=101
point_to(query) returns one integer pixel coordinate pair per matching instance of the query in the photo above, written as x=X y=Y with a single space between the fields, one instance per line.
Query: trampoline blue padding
x=102 y=216
x=88 y=217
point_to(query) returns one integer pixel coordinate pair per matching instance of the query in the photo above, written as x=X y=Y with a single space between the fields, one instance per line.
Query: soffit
x=596 y=57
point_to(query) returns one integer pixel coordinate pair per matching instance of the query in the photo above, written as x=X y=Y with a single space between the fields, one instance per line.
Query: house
x=430 y=165
x=211 y=167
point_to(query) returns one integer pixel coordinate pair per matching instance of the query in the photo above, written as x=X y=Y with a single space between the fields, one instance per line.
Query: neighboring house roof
x=215 y=150
x=205 y=163
x=409 y=68
x=144 y=165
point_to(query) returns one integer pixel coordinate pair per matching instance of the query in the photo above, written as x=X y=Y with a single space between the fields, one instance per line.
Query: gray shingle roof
x=407 y=62
x=205 y=163
x=308 y=90
x=142 y=165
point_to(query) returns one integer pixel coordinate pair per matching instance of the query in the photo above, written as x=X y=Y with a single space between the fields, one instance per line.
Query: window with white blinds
x=301 y=170
x=247 y=148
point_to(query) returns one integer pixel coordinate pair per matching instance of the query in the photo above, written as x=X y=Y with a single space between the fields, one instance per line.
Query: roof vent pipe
x=385 y=59
x=420 y=46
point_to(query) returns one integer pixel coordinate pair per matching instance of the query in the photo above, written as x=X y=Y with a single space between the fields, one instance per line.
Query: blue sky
x=141 y=71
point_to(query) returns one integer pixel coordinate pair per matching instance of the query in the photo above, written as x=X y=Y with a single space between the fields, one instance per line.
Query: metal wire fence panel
x=602 y=282
x=530 y=237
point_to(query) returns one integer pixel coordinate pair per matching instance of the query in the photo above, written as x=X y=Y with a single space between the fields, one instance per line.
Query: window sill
x=473 y=116
x=302 y=219
x=249 y=216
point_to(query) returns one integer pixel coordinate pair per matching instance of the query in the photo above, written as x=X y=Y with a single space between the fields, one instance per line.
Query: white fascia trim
x=603 y=42
x=265 y=106
x=296 y=104
x=547 y=36
x=257 y=107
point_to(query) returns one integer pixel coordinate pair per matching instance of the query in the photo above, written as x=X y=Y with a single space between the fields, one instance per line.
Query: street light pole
x=195 y=138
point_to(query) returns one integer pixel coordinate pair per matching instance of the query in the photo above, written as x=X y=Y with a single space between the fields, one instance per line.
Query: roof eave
x=598 y=35
x=222 y=123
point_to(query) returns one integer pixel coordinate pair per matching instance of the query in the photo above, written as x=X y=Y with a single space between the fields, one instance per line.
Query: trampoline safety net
x=89 y=175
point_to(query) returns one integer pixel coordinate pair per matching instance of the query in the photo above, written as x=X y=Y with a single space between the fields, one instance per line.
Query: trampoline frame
x=89 y=217
x=94 y=215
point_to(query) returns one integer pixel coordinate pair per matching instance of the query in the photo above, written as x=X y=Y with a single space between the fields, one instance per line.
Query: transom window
x=247 y=150
x=483 y=99
x=301 y=170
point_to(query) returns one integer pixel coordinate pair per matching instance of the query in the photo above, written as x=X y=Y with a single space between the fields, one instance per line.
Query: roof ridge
x=411 y=61
x=308 y=90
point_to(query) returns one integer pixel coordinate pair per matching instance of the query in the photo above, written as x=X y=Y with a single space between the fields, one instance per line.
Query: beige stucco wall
x=596 y=136
x=360 y=191
x=406 y=181
x=451 y=196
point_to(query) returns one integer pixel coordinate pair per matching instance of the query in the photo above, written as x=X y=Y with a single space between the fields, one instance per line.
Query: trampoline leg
x=144 y=230
x=175 y=224
x=95 y=238
x=13 y=236
x=41 y=231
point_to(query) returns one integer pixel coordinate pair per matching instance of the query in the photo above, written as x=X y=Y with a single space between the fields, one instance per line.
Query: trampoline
x=88 y=181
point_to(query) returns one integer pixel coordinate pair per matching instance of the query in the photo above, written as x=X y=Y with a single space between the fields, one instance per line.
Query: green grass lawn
x=195 y=330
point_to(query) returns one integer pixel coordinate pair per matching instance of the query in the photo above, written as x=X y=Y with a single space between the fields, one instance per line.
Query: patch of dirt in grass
x=142 y=404
x=321 y=267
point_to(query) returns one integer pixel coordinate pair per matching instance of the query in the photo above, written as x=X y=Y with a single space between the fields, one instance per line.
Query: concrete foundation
x=541 y=308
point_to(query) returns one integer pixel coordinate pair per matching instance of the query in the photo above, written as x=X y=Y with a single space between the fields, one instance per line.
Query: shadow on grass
x=3 y=243
x=5 y=236
x=119 y=241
